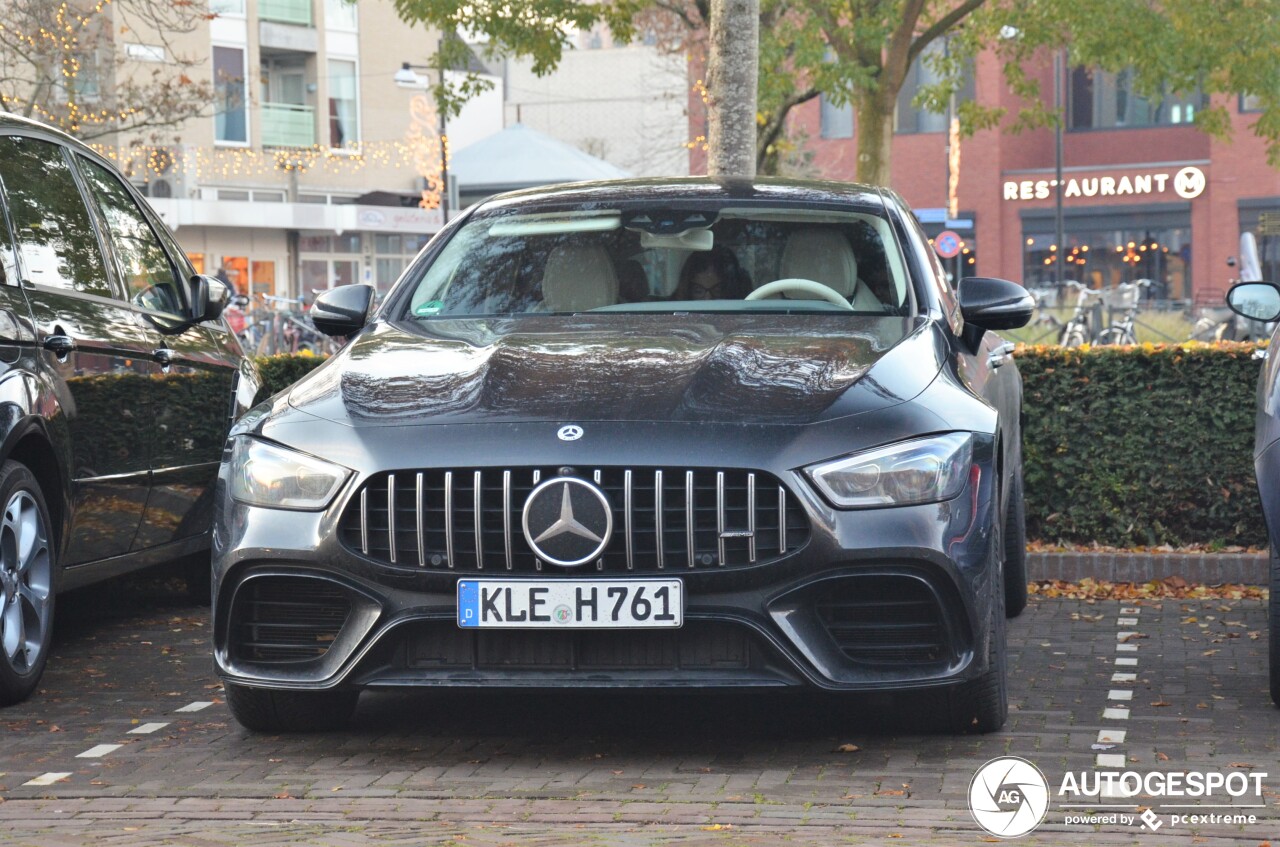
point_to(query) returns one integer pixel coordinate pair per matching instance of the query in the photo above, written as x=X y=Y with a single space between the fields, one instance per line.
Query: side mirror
x=208 y=298
x=1259 y=301
x=995 y=303
x=343 y=310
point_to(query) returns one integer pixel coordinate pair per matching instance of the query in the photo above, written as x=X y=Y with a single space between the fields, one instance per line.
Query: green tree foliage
x=859 y=52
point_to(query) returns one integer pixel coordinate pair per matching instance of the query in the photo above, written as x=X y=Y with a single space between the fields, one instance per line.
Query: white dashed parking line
x=148 y=728
x=195 y=707
x=47 y=779
x=99 y=751
x=1119 y=694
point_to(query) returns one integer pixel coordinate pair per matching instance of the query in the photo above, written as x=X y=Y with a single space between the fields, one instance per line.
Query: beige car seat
x=579 y=277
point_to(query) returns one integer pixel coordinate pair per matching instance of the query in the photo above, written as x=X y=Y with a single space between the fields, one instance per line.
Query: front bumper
x=883 y=599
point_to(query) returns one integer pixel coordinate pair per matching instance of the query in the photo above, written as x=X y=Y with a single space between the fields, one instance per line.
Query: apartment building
x=308 y=170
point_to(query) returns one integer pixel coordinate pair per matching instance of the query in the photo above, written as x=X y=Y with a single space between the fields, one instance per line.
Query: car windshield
x=780 y=260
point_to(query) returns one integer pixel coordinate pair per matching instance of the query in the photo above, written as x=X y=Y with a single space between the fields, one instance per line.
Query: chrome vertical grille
x=687 y=518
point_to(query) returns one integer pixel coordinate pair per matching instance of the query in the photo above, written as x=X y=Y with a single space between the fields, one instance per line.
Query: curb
x=1206 y=568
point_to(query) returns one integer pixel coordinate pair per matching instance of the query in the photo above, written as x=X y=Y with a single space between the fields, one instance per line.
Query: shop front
x=1118 y=226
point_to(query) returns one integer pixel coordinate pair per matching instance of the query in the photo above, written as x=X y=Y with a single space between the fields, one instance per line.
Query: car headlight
x=924 y=470
x=264 y=474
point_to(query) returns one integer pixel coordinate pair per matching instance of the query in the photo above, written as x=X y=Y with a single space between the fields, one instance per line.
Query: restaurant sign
x=1188 y=183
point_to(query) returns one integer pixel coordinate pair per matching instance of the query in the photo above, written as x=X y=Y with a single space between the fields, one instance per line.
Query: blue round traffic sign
x=947 y=244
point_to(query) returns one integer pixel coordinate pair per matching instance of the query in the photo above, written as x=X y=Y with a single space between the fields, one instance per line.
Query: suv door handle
x=164 y=356
x=59 y=345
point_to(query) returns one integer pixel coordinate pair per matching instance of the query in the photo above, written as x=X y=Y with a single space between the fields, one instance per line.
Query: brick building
x=1146 y=194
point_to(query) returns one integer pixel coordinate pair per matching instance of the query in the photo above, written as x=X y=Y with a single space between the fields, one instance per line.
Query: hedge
x=1141 y=446
x=1124 y=446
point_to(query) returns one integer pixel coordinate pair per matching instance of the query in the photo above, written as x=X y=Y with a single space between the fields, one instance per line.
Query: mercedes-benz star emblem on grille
x=572 y=432
x=567 y=521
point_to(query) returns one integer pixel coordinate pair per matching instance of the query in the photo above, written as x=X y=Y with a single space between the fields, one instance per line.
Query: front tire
x=1015 y=549
x=27 y=568
x=268 y=710
x=1273 y=624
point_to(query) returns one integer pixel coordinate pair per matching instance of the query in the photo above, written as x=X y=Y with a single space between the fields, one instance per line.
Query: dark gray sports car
x=674 y=434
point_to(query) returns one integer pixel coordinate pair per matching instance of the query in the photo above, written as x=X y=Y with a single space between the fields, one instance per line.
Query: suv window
x=149 y=277
x=51 y=225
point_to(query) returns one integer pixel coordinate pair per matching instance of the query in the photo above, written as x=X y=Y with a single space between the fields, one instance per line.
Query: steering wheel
x=806 y=286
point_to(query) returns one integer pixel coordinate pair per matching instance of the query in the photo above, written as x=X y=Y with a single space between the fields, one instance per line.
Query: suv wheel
x=1273 y=623
x=268 y=710
x=1015 y=550
x=26 y=584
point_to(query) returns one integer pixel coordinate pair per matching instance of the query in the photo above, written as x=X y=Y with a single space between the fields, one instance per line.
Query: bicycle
x=1127 y=296
x=1078 y=330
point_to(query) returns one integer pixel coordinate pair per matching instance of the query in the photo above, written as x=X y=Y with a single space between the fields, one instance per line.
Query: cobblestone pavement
x=131 y=668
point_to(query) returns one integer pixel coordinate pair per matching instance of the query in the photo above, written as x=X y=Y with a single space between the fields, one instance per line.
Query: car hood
x=778 y=369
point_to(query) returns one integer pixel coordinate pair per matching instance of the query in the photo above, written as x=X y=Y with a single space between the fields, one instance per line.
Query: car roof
x=719 y=191
x=8 y=120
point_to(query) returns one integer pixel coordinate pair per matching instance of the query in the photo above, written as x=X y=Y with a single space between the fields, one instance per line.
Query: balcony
x=287 y=125
x=297 y=12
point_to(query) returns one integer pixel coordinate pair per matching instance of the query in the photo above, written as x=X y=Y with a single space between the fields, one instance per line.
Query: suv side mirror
x=208 y=298
x=1259 y=301
x=343 y=310
x=989 y=303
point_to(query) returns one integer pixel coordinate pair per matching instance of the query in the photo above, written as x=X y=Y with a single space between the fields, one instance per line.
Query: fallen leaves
x=848 y=748
x=1169 y=588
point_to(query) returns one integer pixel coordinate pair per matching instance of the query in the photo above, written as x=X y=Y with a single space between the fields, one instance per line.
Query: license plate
x=570 y=604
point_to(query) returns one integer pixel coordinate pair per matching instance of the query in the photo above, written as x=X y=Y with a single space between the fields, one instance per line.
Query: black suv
x=118 y=382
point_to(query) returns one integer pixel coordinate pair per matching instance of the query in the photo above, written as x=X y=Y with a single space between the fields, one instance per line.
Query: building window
x=340 y=14
x=393 y=254
x=344 y=112
x=1104 y=100
x=230 y=120
x=226 y=7
x=910 y=118
x=328 y=260
x=1250 y=103
x=836 y=121
x=1105 y=258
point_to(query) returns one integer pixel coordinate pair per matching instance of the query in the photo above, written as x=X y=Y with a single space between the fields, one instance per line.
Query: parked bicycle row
x=1115 y=316
x=267 y=325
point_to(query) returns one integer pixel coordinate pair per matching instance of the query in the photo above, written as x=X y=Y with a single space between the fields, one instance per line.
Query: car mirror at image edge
x=1259 y=301
x=343 y=310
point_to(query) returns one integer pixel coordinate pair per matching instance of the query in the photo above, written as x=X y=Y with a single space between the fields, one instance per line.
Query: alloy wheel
x=26 y=574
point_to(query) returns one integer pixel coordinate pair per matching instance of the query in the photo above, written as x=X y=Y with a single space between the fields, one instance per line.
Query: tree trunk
x=875 y=138
x=731 y=87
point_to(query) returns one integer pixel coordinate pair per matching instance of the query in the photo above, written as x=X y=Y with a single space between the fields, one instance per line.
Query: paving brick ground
x=524 y=769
